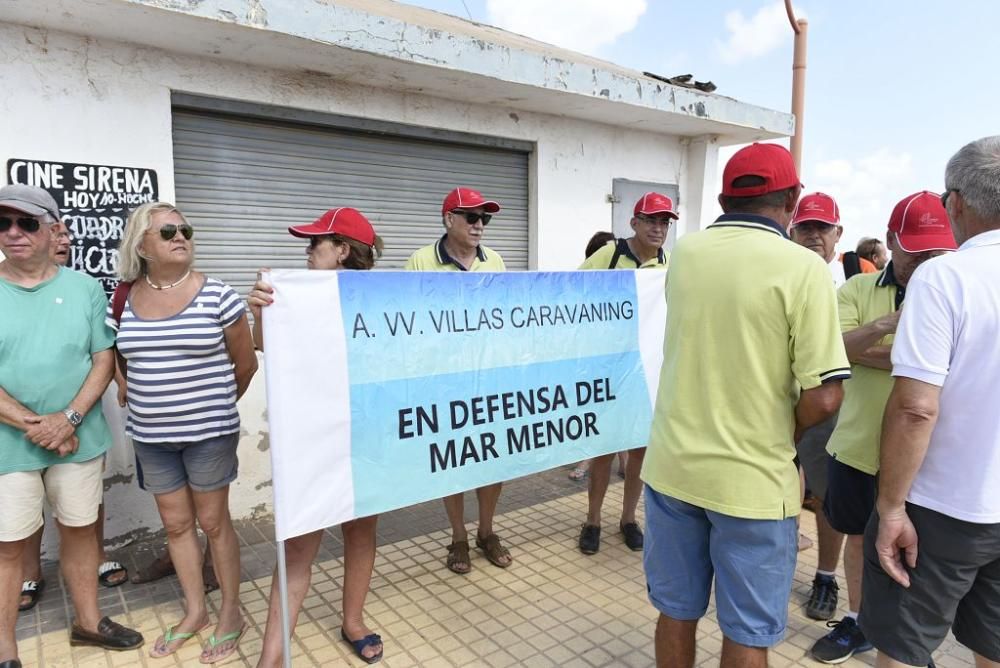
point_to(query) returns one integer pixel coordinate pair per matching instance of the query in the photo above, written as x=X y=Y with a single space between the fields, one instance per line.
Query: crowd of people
x=787 y=365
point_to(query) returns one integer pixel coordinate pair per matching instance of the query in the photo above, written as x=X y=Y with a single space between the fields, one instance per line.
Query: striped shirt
x=181 y=385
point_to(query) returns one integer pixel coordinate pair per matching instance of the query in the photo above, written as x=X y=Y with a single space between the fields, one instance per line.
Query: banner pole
x=286 y=632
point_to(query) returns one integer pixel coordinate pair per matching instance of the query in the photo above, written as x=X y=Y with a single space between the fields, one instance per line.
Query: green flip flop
x=169 y=637
x=214 y=642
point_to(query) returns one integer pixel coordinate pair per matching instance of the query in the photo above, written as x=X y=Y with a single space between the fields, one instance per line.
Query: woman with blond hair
x=341 y=238
x=185 y=348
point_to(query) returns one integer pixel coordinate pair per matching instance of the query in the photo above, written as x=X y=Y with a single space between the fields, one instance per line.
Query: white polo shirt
x=949 y=336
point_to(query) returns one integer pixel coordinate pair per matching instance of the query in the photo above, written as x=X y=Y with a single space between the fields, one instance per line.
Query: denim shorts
x=753 y=562
x=204 y=466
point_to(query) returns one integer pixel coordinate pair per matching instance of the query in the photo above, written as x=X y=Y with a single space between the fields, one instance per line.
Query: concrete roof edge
x=428 y=38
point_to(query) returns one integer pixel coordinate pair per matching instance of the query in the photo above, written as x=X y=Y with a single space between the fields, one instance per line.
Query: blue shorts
x=753 y=562
x=204 y=466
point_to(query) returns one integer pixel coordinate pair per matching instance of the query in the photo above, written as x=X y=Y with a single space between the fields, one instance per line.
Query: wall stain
x=259 y=512
x=118 y=479
x=266 y=483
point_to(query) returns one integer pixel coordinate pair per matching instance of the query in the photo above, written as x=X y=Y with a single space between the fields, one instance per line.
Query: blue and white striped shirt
x=181 y=385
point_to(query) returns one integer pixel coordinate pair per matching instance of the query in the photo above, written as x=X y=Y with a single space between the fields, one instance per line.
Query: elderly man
x=722 y=492
x=465 y=214
x=55 y=362
x=110 y=573
x=816 y=226
x=651 y=219
x=932 y=549
x=869 y=310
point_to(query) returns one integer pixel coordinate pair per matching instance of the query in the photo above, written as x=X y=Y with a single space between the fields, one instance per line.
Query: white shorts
x=74 y=491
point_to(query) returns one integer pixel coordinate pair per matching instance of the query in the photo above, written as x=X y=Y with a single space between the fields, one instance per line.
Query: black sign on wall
x=95 y=201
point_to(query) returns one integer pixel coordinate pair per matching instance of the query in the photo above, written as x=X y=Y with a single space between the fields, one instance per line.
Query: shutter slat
x=242 y=182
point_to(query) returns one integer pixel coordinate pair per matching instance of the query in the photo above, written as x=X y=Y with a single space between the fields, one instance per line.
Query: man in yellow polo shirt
x=465 y=214
x=751 y=319
x=651 y=219
x=869 y=307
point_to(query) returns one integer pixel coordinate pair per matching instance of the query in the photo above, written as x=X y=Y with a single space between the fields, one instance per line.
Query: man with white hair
x=932 y=548
x=56 y=360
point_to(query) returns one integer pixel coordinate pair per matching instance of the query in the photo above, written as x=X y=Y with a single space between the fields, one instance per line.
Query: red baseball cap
x=771 y=162
x=652 y=203
x=921 y=224
x=344 y=220
x=467 y=198
x=818 y=207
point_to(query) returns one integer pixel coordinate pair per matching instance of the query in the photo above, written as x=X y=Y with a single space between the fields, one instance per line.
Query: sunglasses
x=316 y=241
x=472 y=218
x=29 y=225
x=168 y=232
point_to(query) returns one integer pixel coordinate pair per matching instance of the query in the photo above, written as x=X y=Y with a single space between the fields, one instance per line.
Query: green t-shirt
x=751 y=317
x=855 y=441
x=48 y=334
x=602 y=257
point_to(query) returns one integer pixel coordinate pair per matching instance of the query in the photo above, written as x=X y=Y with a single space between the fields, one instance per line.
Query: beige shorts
x=74 y=491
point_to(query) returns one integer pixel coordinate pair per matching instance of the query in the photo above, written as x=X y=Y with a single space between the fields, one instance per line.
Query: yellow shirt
x=623 y=257
x=435 y=257
x=855 y=441
x=751 y=317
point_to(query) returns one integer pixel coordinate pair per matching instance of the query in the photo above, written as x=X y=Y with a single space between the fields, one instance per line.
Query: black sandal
x=108 y=569
x=32 y=589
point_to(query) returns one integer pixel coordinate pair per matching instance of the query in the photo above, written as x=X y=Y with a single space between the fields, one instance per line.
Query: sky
x=893 y=87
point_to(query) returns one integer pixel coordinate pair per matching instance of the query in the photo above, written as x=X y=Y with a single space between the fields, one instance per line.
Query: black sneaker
x=840 y=644
x=590 y=539
x=823 y=598
x=633 y=536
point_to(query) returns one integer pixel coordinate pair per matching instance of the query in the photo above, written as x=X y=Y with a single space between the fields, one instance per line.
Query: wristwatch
x=74 y=418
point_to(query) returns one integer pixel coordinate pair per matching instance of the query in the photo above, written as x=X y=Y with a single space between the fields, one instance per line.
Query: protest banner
x=387 y=389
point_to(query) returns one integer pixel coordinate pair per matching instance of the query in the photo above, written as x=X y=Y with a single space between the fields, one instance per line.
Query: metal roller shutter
x=242 y=181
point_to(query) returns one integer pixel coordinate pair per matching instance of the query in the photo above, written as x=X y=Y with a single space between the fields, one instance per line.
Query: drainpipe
x=800 y=27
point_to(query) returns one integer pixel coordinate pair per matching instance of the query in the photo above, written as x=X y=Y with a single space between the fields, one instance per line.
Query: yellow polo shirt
x=623 y=257
x=855 y=441
x=751 y=318
x=435 y=257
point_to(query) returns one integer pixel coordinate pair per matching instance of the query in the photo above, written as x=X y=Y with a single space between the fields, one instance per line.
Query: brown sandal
x=493 y=550
x=458 y=554
x=158 y=569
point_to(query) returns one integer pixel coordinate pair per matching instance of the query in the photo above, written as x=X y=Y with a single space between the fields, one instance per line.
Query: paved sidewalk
x=552 y=607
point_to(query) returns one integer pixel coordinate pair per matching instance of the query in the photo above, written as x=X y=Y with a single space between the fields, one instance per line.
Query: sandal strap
x=171 y=635
x=30 y=586
x=109 y=567
x=232 y=635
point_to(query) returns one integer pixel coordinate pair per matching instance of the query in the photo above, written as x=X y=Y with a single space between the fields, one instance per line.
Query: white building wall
x=73 y=99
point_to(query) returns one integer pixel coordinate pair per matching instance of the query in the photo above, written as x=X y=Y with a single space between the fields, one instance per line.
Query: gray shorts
x=956 y=585
x=204 y=466
x=811 y=450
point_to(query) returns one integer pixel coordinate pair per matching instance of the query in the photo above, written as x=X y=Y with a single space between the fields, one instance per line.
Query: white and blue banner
x=387 y=389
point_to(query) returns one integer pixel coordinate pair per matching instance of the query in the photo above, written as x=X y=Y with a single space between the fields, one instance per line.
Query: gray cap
x=30 y=200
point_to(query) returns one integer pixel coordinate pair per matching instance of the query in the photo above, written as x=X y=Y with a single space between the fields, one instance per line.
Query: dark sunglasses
x=944 y=196
x=472 y=218
x=316 y=241
x=29 y=225
x=168 y=232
